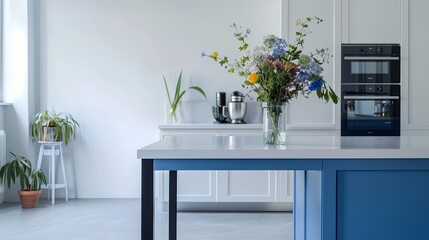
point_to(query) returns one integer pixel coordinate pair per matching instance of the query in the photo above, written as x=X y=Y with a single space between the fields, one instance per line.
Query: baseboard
x=230 y=207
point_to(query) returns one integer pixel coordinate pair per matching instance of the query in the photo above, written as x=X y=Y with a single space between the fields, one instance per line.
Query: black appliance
x=370 y=90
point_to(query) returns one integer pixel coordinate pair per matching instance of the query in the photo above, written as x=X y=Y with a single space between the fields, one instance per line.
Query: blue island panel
x=380 y=204
x=237 y=164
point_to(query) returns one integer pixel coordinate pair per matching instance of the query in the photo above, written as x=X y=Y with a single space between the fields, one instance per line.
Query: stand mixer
x=220 y=111
x=234 y=112
x=237 y=108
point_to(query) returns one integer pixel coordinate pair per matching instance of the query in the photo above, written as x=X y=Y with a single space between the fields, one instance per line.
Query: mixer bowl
x=237 y=111
x=218 y=115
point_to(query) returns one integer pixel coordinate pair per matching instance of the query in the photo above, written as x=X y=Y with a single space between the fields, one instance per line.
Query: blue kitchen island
x=346 y=188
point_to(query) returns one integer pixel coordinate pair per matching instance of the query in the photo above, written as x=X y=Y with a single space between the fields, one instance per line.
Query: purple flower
x=270 y=57
x=278 y=64
x=248 y=31
x=203 y=54
x=316 y=85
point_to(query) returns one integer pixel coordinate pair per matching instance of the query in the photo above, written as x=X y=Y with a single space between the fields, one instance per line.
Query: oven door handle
x=372 y=97
x=363 y=58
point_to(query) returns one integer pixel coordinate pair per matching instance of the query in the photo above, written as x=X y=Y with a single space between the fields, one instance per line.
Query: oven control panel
x=371 y=89
x=371 y=49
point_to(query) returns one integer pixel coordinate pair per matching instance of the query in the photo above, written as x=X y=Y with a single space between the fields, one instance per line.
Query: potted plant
x=174 y=100
x=50 y=126
x=30 y=179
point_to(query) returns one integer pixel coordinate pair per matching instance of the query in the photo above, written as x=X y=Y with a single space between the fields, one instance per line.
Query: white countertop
x=210 y=126
x=325 y=145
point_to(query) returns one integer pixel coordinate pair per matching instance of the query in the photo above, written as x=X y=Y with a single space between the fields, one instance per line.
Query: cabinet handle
x=371 y=58
x=372 y=97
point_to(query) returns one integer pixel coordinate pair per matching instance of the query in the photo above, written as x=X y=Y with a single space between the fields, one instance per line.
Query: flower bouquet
x=278 y=71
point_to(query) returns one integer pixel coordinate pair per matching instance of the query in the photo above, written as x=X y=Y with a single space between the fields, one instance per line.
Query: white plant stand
x=53 y=149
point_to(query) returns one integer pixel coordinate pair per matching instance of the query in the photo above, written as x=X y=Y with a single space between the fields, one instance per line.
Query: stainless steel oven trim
x=361 y=84
x=363 y=58
x=368 y=97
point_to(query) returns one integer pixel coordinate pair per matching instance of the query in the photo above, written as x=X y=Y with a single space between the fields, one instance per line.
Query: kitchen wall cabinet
x=416 y=64
x=395 y=21
x=371 y=21
x=227 y=186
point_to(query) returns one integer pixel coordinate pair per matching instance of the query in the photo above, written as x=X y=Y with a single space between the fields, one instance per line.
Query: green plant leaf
x=166 y=88
x=319 y=93
x=178 y=85
x=199 y=90
x=176 y=102
x=326 y=96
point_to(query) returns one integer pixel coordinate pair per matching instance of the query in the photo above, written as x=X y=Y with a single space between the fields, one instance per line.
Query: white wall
x=16 y=81
x=103 y=60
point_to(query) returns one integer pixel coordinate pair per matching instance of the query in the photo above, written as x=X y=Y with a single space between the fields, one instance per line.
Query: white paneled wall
x=371 y=21
x=313 y=113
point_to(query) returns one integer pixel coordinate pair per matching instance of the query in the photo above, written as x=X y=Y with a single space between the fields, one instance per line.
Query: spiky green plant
x=64 y=123
x=20 y=168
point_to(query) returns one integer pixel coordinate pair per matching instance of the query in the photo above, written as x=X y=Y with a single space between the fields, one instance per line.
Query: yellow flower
x=290 y=65
x=215 y=54
x=253 y=78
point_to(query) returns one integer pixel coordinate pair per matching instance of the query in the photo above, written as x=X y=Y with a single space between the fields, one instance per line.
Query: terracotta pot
x=29 y=199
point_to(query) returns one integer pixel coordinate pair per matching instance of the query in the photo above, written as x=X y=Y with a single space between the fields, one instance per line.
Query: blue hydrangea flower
x=278 y=52
x=303 y=75
x=279 y=47
x=316 y=85
x=314 y=68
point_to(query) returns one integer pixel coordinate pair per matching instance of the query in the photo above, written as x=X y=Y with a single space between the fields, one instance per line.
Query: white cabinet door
x=246 y=186
x=371 y=21
x=193 y=186
x=418 y=114
x=284 y=186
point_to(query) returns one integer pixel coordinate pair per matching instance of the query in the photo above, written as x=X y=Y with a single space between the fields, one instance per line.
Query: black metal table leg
x=147 y=200
x=172 y=206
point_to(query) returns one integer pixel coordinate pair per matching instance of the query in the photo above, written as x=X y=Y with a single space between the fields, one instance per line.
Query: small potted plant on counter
x=30 y=180
x=49 y=126
x=174 y=100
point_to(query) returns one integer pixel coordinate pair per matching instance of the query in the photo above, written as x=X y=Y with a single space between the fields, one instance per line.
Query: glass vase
x=172 y=117
x=274 y=123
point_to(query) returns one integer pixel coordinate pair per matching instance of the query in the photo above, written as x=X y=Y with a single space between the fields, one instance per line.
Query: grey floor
x=115 y=219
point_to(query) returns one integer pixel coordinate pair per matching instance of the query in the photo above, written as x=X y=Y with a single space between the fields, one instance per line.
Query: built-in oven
x=370 y=110
x=370 y=90
x=370 y=64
